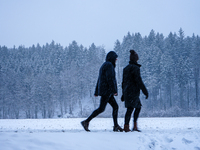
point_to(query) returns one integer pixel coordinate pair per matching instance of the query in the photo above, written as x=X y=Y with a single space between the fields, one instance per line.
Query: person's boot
x=135 y=127
x=126 y=128
x=85 y=125
x=117 y=128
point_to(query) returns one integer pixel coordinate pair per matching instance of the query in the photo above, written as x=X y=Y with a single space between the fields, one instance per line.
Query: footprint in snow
x=186 y=141
x=169 y=140
x=152 y=144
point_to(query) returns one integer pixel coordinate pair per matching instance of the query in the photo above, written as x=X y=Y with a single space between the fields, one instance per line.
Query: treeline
x=47 y=81
x=170 y=70
x=51 y=81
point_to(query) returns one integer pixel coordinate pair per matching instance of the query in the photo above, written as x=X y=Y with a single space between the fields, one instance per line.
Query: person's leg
x=127 y=119
x=115 y=107
x=102 y=106
x=136 y=115
x=128 y=115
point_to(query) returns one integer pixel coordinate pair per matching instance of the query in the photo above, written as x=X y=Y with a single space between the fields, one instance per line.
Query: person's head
x=112 y=57
x=133 y=56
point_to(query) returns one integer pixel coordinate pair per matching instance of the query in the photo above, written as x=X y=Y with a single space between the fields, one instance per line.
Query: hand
x=96 y=95
x=122 y=98
x=115 y=94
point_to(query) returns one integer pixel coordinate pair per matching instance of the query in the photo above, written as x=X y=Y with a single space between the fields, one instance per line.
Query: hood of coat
x=111 y=57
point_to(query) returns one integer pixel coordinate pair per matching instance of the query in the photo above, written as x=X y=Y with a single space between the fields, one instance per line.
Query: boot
x=117 y=128
x=135 y=127
x=126 y=128
x=85 y=125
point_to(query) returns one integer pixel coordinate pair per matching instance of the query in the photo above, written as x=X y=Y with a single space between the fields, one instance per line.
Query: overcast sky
x=102 y=22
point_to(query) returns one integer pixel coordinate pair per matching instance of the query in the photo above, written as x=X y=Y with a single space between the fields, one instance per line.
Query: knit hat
x=133 y=56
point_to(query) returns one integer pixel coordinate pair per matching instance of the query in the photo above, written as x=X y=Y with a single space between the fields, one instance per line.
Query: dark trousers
x=129 y=112
x=103 y=102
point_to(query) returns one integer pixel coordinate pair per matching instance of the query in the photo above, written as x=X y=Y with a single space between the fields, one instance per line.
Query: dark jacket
x=106 y=83
x=131 y=85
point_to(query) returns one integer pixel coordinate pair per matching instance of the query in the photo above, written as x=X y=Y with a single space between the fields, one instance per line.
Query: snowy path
x=67 y=134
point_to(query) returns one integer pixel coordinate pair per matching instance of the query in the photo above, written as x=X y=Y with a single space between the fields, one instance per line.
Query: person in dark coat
x=131 y=85
x=106 y=87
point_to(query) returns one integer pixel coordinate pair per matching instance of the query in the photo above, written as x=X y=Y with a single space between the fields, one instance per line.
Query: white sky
x=102 y=22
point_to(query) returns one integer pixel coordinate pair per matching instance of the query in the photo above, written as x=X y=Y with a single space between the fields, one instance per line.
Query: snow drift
x=68 y=134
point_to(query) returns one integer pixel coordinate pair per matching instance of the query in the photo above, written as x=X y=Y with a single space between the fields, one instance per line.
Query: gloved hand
x=122 y=98
x=147 y=95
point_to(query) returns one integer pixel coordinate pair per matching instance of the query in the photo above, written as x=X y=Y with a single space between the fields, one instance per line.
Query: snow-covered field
x=67 y=134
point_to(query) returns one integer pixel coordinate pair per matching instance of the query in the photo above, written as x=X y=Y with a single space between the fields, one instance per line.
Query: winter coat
x=106 y=83
x=131 y=85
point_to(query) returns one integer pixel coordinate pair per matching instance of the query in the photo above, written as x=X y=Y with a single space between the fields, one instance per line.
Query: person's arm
x=96 y=89
x=110 y=76
x=140 y=83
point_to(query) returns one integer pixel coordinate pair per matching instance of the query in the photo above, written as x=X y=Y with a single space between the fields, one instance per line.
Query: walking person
x=106 y=87
x=131 y=85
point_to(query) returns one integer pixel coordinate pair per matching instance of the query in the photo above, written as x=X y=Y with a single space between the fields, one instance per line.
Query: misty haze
x=48 y=81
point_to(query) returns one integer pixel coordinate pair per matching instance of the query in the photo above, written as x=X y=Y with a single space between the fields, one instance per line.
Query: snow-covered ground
x=68 y=134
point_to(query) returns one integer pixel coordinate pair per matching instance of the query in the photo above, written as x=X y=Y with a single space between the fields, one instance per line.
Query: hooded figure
x=131 y=85
x=106 y=87
x=111 y=57
x=106 y=83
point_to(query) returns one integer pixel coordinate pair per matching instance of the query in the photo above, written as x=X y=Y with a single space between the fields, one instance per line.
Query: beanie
x=133 y=56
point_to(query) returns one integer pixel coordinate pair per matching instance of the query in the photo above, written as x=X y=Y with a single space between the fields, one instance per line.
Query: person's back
x=130 y=84
x=106 y=87
x=106 y=84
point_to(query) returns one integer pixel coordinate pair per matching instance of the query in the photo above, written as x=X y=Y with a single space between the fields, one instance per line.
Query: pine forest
x=53 y=81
